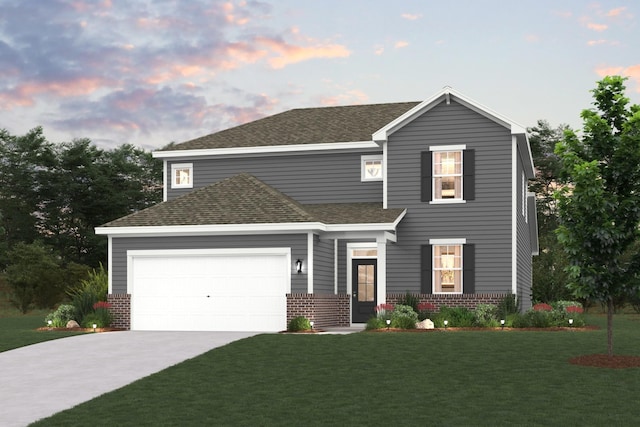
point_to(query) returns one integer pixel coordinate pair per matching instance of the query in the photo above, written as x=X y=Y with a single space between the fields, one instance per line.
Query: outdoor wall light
x=502 y=323
x=299 y=266
x=446 y=323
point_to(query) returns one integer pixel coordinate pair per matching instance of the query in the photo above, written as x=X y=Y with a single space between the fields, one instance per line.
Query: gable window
x=371 y=168
x=182 y=175
x=447 y=174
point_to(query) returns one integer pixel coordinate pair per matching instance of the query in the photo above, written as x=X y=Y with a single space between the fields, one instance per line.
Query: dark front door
x=364 y=286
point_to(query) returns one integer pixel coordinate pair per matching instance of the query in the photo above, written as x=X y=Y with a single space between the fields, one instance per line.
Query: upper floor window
x=371 y=168
x=447 y=175
x=182 y=175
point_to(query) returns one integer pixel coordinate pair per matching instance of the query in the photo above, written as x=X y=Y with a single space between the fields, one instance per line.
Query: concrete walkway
x=42 y=379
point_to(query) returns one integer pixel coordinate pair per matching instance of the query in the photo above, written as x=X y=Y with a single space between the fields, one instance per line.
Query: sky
x=149 y=72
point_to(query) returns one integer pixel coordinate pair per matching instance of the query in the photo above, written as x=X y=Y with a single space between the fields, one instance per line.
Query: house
x=328 y=212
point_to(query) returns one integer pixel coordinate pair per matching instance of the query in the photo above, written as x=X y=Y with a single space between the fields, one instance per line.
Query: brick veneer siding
x=120 y=310
x=323 y=310
x=469 y=301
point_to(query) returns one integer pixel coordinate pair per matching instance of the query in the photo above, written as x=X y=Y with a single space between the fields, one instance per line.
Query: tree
x=549 y=277
x=599 y=204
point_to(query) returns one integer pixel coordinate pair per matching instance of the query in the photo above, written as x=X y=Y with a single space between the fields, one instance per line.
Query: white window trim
x=447 y=242
x=364 y=160
x=176 y=166
x=435 y=148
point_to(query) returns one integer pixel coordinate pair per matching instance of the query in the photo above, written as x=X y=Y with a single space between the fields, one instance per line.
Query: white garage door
x=209 y=290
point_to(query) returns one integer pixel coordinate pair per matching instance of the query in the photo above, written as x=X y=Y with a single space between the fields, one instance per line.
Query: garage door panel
x=209 y=292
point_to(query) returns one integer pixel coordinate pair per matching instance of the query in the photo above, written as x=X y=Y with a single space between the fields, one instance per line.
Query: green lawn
x=21 y=330
x=488 y=378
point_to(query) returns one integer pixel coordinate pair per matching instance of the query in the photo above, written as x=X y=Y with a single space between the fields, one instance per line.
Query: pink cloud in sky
x=596 y=42
x=632 y=71
x=616 y=12
x=288 y=53
x=25 y=93
x=597 y=27
x=400 y=44
x=411 y=16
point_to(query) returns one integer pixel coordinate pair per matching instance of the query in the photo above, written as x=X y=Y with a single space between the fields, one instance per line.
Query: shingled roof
x=244 y=199
x=304 y=126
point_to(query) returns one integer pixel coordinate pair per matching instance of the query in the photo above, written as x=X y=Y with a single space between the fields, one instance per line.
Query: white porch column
x=310 y=263
x=381 y=296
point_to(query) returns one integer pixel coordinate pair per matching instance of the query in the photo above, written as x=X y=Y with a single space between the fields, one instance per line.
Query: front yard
x=488 y=378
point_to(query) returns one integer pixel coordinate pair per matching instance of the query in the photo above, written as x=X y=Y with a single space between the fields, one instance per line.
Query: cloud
x=616 y=12
x=400 y=44
x=632 y=71
x=411 y=17
x=532 y=38
x=350 y=97
x=597 y=27
x=378 y=50
x=596 y=42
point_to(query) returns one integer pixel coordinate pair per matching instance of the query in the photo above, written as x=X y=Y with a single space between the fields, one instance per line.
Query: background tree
x=600 y=204
x=549 y=276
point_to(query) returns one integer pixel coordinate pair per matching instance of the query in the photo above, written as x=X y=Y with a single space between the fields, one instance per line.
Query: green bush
x=562 y=305
x=375 y=323
x=401 y=310
x=299 y=323
x=101 y=318
x=460 y=317
x=403 y=322
x=91 y=290
x=411 y=300
x=507 y=306
x=486 y=315
x=61 y=316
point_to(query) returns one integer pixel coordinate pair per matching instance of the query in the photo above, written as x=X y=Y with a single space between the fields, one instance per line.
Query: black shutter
x=425 y=176
x=425 y=269
x=469 y=181
x=468 y=269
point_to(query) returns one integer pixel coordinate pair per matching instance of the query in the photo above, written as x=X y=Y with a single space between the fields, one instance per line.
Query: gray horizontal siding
x=120 y=245
x=323 y=266
x=485 y=221
x=309 y=178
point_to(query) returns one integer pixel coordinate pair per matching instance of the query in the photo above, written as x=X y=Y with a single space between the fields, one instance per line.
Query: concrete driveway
x=39 y=380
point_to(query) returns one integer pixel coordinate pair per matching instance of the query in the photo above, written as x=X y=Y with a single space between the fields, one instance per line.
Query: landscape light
x=94 y=327
x=570 y=322
x=502 y=323
x=446 y=322
x=388 y=323
x=311 y=323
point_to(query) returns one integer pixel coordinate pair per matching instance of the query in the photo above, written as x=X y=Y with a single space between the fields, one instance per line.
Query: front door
x=364 y=288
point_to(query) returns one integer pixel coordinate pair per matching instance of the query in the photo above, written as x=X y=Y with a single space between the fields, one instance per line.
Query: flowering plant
x=383 y=311
x=542 y=307
x=575 y=309
x=101 y=304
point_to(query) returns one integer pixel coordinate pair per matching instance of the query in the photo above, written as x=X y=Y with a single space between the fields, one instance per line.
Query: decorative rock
x=425 y=324
x=72 y=324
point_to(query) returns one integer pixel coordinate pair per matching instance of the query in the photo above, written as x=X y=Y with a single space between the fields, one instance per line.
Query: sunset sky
x=152 y=72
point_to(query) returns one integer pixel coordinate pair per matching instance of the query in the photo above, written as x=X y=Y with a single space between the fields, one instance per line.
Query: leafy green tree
x=600 y=204
x=34 y=276
x=549 y=276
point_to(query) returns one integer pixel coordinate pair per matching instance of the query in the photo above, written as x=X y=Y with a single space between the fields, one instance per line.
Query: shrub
x=563 y=305
x=94 y=319
x=375 y=323
x=542 y=307
x=383 y=311
x=411 y=300
x=299 y=323
x=534 y=319
x=61 y=316
x=404 y=322
x=425 y=310
x=486 y=315
x=507 y=306
x=91 y=290
x=401 y=310
x=460 y=317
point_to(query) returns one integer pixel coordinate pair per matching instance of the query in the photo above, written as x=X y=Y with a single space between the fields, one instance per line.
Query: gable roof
x=244 y=199
x=303 y=126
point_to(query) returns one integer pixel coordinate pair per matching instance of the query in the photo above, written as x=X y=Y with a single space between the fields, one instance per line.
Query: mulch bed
x=606 y=361
x=45 y=328
x=452 y=329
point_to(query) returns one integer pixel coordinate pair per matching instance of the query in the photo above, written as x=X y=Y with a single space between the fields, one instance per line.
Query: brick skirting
x=120 y=310
x=469 y=301
x=323 y=310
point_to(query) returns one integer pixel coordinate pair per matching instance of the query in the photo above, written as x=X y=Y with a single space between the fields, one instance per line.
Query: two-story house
x=328 y=212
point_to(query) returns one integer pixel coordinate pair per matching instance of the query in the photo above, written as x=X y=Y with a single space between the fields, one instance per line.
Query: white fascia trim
x=514 y=214
x=270 y=149
x=360 y=227
x=446 y=94
x=187 y=230
x=458 y=241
